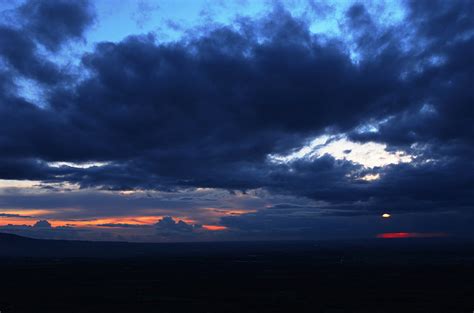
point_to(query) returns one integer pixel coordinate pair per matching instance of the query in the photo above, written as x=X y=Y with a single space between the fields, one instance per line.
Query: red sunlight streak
x=5 y=221
x=410 y=235
x=214 y=227
x=137 y=220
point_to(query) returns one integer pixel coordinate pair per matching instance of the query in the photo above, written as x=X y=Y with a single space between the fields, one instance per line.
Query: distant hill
x=19 y=246
x=11 y=238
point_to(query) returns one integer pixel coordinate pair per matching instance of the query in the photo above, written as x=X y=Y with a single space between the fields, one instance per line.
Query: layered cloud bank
x=304 y=133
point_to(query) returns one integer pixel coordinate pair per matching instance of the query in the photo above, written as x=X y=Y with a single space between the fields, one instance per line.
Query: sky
x=202 y=120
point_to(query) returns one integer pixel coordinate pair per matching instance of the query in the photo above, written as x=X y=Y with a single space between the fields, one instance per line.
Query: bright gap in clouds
x=369 y=154
x=13 y=183
x=78 y=165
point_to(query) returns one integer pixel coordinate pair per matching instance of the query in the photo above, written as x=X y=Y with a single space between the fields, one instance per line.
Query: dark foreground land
x=373 y=276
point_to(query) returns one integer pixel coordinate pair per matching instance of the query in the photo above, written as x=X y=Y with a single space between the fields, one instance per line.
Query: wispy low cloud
x=15 y=215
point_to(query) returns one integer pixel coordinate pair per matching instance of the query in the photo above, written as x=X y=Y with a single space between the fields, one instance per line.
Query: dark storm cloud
x=167 y=226
x=19 y=51
x=49 y=23
x=54 y=22
x=221 y=97
x=197 y=111
x=207 y=110
x=444 y=77
x=26 y=169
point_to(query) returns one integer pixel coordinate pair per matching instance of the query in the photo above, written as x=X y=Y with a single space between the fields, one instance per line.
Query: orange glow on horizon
x=138 y=220
x=28 y=212
x=214 y=227
x=30 y=217
x=410 y=235
x=6 y=221
x=24 y=217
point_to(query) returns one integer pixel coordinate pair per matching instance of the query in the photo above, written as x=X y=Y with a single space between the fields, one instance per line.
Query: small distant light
x=386 y=215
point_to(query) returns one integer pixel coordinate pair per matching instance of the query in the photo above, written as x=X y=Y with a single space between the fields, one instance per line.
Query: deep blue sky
x=236 y=120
